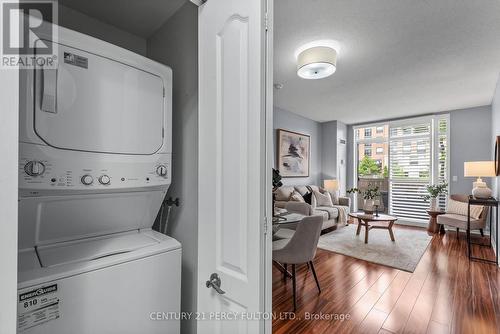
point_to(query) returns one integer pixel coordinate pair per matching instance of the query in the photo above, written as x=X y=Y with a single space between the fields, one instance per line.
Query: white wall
x=9 y=92
x=286 y=120
x=495 y=130
x=176 y=45
x=75 y=20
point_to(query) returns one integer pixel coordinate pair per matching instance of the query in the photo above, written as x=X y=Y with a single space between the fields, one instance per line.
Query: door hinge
x=266 y=21
x=163 y=91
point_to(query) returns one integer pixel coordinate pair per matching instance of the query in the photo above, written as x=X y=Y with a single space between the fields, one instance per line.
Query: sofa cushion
x=302 y=190
x=314 y=188
x=333 y=213
x=280 y=204
x=283 y=193
x=321 y=213
x=460 y=208
x=335 y=197
x=322 y=199
x=460 y=221
x=308 y=198
x=296 y=197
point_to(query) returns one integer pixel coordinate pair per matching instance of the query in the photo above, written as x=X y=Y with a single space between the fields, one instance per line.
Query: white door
x=232 y=164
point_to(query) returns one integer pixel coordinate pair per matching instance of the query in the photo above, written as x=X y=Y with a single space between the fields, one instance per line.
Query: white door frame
x=267 y=245
x=9 y=143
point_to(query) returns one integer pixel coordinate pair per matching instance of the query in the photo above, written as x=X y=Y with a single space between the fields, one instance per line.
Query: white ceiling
x=397 y=57
x=141 y=18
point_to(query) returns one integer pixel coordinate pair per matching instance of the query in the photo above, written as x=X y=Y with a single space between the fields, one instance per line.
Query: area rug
x=404 y=253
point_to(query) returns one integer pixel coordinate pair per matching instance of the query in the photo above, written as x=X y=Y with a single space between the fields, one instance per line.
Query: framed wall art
x=294 y=150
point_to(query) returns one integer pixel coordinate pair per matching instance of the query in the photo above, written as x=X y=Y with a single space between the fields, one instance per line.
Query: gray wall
x=342 y=157
x=286 y=120
x=470 y=138
x=176 y=45
x=333 y=152
x=495 y=129
x=329 y=150
x=75 y=20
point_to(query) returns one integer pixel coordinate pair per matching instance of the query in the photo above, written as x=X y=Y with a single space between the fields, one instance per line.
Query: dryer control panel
x=41 y=170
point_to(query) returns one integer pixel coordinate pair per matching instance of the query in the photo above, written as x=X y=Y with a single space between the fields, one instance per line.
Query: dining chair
x=301 y=248
x=293 y=207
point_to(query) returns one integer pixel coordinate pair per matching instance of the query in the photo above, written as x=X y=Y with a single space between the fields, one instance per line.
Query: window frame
x=434 y=143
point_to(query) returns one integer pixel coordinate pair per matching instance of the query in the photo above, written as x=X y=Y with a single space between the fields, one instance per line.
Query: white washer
x=94 y=167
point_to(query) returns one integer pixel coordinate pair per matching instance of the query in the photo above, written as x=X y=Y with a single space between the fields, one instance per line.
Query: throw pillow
x=460 y=208
x=308 y=198
x=283 y=193
x=323 y=199
x=296 y=197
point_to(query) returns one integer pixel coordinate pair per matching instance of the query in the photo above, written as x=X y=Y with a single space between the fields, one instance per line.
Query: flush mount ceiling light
x=317 y=62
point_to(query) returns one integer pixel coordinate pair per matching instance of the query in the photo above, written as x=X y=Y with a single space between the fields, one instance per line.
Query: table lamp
x=331 y=185
x=480 y=169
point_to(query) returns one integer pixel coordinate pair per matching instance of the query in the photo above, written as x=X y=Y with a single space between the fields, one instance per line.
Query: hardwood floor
x=445 y=294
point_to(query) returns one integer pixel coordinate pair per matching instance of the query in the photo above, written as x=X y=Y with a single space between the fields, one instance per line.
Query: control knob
x=161 y=170
x=87 y=179
x=104 y=179
x=34 y=168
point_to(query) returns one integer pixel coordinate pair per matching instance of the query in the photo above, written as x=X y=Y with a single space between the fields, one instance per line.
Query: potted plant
x=276 y=184
x=369 y=195
x=433 y=191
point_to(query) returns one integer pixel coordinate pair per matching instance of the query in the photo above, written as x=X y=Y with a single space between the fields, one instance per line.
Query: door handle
x=214 y=283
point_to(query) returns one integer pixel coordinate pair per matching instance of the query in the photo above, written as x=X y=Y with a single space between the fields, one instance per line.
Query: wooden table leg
x=359 y=227
x=367 y=228
x=390 y=231
x=432 y=227
x=441 y=229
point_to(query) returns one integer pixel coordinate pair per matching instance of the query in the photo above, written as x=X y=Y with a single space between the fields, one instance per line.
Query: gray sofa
x=330 y=215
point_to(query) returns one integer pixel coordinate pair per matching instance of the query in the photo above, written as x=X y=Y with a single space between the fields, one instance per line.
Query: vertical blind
x=410 y=157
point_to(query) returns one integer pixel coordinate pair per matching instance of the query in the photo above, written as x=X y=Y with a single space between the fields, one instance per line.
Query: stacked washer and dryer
x=94 y=168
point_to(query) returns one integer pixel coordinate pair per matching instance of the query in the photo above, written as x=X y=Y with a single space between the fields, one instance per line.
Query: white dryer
x=94 y=167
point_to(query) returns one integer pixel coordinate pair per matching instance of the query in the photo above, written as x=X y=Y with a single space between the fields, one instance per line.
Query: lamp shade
x=331 y=185
x=317 y=62
x=479 y=169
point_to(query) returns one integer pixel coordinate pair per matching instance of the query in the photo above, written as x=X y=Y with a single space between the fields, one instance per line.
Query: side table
x=491 y=203
x=433 y=226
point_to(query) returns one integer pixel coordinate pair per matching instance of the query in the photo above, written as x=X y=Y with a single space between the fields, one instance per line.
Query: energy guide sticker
x=37 y=306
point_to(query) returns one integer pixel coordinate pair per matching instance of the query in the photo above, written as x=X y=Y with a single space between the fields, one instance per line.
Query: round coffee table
x=382 y=221
x=433 y=226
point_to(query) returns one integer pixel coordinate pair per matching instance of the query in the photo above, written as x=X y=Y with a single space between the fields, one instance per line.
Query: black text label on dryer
x=73 y=59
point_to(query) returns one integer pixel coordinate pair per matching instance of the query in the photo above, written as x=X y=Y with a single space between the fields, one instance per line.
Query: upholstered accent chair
x=459 y=221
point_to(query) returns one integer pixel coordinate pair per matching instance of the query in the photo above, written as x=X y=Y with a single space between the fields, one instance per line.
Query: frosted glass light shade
x=331 y=185
x=479 y=169
x=317 y=63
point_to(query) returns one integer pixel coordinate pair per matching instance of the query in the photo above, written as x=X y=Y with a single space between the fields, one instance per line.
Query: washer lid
x=93 y=249
x=96 y=104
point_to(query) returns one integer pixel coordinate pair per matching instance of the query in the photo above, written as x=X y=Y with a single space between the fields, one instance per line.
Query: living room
x=386 y=124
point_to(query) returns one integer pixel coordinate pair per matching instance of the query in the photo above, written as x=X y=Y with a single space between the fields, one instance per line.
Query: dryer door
x=95 y=104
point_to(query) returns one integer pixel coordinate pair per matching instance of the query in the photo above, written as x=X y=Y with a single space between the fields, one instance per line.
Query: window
x=410 y=155
x=368 y=150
